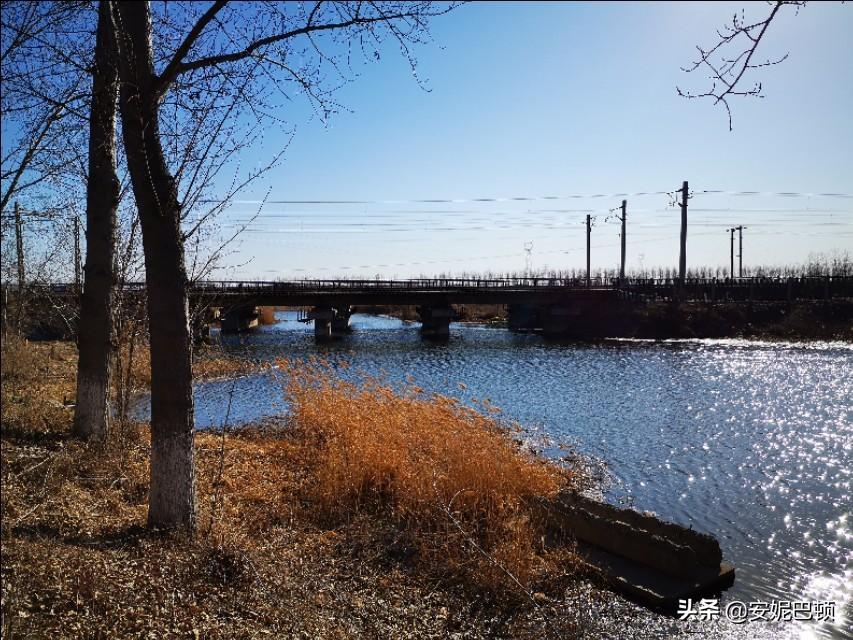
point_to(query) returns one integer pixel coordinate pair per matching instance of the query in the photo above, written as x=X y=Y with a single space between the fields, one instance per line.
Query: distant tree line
x=835 y=264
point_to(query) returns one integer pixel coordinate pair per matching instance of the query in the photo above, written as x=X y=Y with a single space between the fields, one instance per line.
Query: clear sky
x=552 y=99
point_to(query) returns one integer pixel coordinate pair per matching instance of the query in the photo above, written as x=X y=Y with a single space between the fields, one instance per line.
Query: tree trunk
x=171 y=501
x=95 y=330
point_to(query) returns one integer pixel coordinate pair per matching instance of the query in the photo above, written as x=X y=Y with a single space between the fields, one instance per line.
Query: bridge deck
x=401 y=292
x=540 y=291
x=517 y=290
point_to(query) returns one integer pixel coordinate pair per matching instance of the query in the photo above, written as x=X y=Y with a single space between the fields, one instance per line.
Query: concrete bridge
x=548 y=302
x=549 y=305
x=552 y=305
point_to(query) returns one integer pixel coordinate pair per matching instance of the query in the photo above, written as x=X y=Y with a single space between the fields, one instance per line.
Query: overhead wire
x=571 y=196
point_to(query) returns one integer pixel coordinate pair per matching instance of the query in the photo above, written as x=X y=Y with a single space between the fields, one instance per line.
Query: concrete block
x=653 y=561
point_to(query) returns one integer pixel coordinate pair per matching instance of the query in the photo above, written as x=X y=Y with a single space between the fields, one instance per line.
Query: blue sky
x=560 y=99
x=526 y=100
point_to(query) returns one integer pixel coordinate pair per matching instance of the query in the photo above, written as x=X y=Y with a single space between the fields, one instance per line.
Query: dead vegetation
x=460 y=492
x=383 y=514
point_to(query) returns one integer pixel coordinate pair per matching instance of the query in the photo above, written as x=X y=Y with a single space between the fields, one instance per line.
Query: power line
x=376 y=218
x=571 y=196
x=384 y=220
x=780 y=194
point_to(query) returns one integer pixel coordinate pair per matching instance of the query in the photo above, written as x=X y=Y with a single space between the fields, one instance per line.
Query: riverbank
x=281 y=547
x=272 y=556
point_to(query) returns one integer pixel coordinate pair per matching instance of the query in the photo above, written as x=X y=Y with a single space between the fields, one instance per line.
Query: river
x=749 y=441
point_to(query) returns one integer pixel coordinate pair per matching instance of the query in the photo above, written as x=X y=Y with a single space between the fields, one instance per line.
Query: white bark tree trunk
x=171 y=502
x=95 y=328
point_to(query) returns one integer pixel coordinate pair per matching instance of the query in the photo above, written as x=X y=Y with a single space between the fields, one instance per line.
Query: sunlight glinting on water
x=746 y=440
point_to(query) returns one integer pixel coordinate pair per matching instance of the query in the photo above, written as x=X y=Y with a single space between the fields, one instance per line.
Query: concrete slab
x=651 y=561
x=650 y=587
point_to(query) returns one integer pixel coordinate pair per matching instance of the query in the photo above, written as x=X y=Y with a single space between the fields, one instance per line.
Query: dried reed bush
x=461 y=491
x=135 y=361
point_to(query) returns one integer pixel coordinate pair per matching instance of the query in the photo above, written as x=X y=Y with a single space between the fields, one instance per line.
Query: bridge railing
x=421 y=284
x=716 y=288
x=743 y=289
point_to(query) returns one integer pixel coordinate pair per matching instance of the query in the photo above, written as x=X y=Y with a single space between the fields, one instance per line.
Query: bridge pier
x=523 y=317
x=322 y=317
x=557 y=319
x=239 y=319
x=435 y=321
x=330 y=322
x=340 y=321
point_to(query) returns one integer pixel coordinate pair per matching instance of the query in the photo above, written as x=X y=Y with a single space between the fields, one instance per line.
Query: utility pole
x=588 y=229
x=77 y=272
x=682 y=257
x=731 y=233
x=622 y=263
x=740 y=251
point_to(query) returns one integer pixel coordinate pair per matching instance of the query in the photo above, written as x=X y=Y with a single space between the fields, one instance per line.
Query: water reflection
x=749 y=441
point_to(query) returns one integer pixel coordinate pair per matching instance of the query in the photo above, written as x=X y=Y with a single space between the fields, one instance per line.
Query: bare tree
x=40 y=95
x=47 y=70
x=95 y=330
x=42 y=256
x=225 y=45
x=43 y=95
x=54 y=90
x=731 y=59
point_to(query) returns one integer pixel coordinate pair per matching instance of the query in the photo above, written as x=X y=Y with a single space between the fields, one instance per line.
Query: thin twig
x=447 y=510
x=217 y=484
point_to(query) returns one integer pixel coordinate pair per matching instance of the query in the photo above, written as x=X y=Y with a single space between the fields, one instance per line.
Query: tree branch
x=308 y=28
x=172 y=69
x=727 y=72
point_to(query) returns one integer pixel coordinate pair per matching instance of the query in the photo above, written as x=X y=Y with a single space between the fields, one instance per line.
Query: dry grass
x=38 y=384
x=38 y=389
x=461 y=491
x=309 y=532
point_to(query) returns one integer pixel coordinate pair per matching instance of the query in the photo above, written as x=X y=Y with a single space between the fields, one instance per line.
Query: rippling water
x=748 y=441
